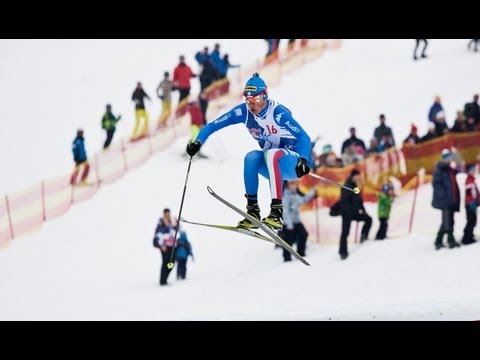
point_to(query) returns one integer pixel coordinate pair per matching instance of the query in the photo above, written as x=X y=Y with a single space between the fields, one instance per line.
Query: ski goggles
x=255 y=99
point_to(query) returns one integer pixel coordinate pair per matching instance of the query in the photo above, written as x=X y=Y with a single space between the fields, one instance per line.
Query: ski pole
x=355 y=190
x=170 y=264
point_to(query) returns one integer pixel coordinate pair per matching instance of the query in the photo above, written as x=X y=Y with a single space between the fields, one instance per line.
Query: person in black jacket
x=446 y=197
x=382 y=130
x=352 y=209
x=417 y=44
x=138 y=95
x=353 y=139
x=473 y=110
x=413 y=137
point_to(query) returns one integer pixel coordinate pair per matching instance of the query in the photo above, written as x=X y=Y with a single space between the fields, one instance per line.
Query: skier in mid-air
x=285 y=153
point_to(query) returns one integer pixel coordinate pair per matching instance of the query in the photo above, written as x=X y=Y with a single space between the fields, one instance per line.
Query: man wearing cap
x=284 y=154
x=446 y=197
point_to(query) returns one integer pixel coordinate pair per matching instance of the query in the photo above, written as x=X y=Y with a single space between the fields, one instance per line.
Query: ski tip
x=209 y=189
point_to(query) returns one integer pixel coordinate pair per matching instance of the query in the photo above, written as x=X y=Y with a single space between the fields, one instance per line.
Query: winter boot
x=274 y=219
x=468 y=240
x=252 y=210
x=439 y=240
x=451 y=241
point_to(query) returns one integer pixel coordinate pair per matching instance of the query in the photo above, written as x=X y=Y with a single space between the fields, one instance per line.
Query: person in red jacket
x=197 y=118
x=181 y=78
x=472 y=201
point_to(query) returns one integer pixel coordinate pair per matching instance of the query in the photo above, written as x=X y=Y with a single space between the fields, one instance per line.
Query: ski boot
x=252 y=210
x=274 y=219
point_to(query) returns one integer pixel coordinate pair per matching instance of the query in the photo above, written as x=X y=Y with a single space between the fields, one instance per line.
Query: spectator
x=353 y=139
x=293 y=228
x=386 y=143
x=328 y=158
x=109 y=122
x=166 y=86
x=431 y=134
x=459 y=124
x=473 y=110
x=227 y=65
x=203 y=101
x=80 y=158
x=138 y=95
x=217 y=61
x=383 y=129
x=385 y=200
x=473 y=42
x=197 y=121
x=352 y=209
x=373 y=148
x=184 y=250
x=291 y=44
x=446 y=197
x=417 y=43
x=164 y=240
x=435 y=109
x=208 y=74
x=441 y=126
x=270 y=47
x=413 y=137
x=351 y=155
x=181 y=78
x=472 y=201
x=470 y=125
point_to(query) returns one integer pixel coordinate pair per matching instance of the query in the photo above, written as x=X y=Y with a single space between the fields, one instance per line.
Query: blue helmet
x=255 y=86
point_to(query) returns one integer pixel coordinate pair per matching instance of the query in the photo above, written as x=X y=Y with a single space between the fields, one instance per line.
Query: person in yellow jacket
x=140 y=113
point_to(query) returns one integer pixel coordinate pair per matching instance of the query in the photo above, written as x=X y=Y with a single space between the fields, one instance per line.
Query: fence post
x=96 y=171
x=43 y=201
x=413 y=204
x=125 y=165
x=9 y=216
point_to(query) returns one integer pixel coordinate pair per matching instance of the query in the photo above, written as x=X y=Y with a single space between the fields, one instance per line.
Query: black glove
x=302 y=167
x=193 y=147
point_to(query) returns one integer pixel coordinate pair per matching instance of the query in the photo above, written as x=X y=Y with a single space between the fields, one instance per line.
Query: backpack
x=335 y=209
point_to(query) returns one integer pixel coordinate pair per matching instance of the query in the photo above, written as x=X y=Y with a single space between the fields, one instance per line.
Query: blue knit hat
x=446 y=155
x=255 y=86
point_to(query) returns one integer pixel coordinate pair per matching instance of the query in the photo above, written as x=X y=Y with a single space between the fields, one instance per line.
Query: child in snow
x=385 y=200
x=184 y=249
x=472 y=201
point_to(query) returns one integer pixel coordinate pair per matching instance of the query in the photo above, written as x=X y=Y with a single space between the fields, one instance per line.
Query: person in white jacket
x=293 y=229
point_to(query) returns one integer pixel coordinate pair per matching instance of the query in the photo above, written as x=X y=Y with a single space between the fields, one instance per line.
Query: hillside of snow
x=97 y=261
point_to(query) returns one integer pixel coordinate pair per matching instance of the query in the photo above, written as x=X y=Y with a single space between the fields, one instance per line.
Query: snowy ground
x=97 y=262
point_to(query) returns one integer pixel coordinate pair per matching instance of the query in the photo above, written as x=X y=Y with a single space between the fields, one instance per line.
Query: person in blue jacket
x=285 y=148
x=80 y=159
x=217 y=60
x=446 y=197
x=184 y=250
x=435 y=109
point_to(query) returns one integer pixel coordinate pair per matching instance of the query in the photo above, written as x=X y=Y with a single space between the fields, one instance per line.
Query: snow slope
x=97 y=262
x=49 y=88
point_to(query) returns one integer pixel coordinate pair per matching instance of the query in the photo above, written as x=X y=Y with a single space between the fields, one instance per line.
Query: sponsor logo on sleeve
x=295 y=129
x=222 y=119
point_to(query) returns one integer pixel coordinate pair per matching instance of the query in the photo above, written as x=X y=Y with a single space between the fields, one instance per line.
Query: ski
x=231 y=228
x=277 y=239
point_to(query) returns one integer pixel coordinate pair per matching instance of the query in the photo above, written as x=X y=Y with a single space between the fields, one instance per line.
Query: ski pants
x=276 y=165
